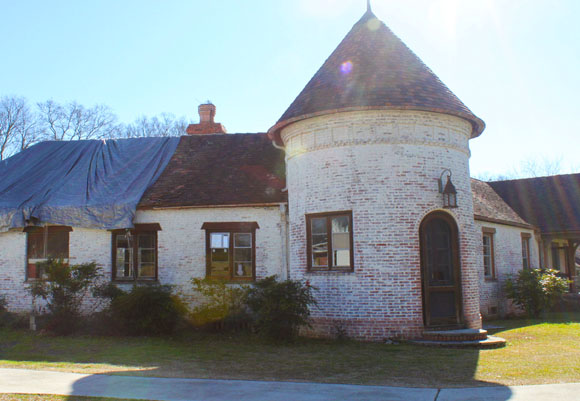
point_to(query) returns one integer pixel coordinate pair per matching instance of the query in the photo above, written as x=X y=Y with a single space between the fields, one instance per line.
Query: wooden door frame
x=456 y=269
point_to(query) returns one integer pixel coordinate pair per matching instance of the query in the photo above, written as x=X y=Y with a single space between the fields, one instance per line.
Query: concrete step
x=488 y=343
x=455 y=335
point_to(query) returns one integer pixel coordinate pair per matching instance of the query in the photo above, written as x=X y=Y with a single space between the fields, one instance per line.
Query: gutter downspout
x=284 y=228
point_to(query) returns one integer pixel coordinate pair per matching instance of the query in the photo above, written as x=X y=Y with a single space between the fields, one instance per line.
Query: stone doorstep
x=488 y=343
x=455 y=335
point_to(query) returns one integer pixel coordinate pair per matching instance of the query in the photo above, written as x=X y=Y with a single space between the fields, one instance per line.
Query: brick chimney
x=206 y=122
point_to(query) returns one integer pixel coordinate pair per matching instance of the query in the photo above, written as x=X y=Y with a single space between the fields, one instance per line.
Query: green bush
x=64 y=289
x=536 y=290
x=146 y=310
x=280 y=307
x=4 y=315
x=222 y=305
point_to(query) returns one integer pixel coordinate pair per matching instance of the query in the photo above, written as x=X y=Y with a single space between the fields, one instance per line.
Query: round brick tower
x=367 y=142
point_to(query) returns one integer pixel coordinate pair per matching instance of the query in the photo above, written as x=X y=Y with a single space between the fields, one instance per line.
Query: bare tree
x=21 y=126
x=529 y=168
x=163 y=125
x=17 y=125
x=541 y=167
x=73 y=121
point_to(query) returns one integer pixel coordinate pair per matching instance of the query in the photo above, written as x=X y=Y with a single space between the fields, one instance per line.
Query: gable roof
x=489 y=206
x=551 y=203
x=373 y=69
x=220 y=170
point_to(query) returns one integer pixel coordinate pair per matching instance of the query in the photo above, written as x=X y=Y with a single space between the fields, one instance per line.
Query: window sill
x=229 y=281
x=139 y=280
x=326 y=272
x=491 y=279
x=34 y=280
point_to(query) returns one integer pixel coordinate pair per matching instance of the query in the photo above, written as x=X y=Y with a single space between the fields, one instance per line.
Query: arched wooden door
x=440 y=271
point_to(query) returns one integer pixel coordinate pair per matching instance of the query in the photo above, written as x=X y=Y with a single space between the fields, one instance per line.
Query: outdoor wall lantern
x=449 y=192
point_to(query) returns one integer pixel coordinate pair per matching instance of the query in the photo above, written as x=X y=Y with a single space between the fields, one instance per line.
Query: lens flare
x=373 y=24
x=346 y=67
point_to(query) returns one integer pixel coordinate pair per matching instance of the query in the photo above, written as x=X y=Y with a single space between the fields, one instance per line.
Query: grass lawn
x=537 y=352
x=44 y=397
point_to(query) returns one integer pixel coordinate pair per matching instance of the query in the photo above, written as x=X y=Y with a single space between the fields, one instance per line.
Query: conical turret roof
x=372 y=69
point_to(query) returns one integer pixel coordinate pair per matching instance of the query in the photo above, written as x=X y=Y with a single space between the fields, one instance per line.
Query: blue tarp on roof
x=91 y=184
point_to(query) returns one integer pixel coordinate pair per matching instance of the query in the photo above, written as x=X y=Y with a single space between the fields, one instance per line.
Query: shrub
x=4 y=315
x=536 y=290
x=222 y=304
x=280 y=307
x=146 y=310
x=64 y=289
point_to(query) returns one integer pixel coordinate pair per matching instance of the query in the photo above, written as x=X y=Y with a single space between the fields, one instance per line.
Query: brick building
x=362 y=188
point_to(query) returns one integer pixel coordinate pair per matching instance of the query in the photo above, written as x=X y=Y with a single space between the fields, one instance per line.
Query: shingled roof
x=373 y=69
x=220 y=169
x=551 y=203
x=489 y=206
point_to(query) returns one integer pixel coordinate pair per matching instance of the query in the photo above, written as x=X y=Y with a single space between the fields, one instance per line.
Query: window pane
x=124 y=263
x=146 y=241
x=220 y=263
x=220 y=255
x=341 y=258
x=243 y=240
x=220 y=240
x=146 y=256
x=242 y=254
x=340 y=241
x=146 y=270
x=320 y=250
x=487 y=255
x=243 y=269
x=340 y=224
x=57 y=244
x=36 y=245
x=318 y=225
x=124 y=258
x=525 y=253
x=122 y=241
x=439 y=252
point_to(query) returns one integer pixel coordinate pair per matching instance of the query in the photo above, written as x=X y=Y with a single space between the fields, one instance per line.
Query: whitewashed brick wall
x=181 y=248
x=508 y=261
x=384 y=166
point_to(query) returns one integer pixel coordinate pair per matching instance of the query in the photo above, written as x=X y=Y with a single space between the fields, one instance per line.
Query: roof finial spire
x=369 y=9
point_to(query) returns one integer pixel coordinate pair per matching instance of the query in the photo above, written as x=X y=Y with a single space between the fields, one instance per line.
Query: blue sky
x=515 y=63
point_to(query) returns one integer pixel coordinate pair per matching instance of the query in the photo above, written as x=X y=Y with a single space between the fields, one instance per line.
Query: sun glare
x=346 y=67
x=448 y=14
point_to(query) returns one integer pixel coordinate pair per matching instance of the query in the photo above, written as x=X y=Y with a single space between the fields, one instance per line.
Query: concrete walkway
x=150 y=388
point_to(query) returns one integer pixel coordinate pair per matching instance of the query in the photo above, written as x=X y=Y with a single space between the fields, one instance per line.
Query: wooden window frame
x=328 y=216
x=230 y=228
x=526 y=256
x=47 y=231
x=151 y=228
x=490 y=233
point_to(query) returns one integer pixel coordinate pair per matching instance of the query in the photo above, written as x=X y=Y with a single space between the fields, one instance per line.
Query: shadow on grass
x=238 y=359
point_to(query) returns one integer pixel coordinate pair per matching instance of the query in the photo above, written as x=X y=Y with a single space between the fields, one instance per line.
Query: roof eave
x=477 y=124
